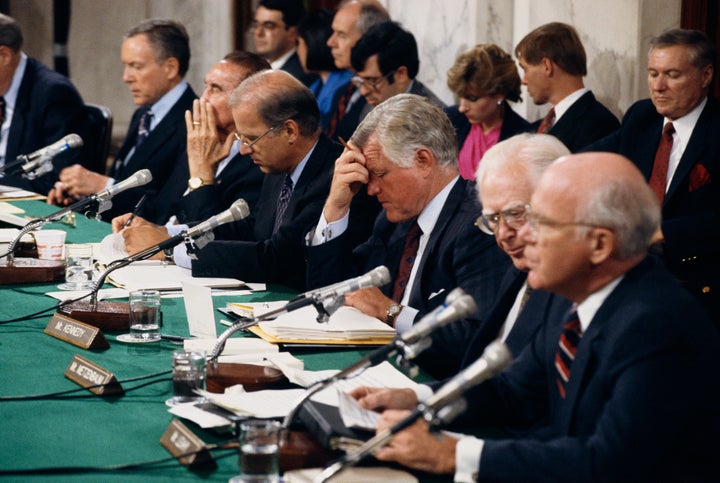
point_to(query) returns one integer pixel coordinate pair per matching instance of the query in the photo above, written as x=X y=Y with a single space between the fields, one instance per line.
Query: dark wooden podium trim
x=31 y=270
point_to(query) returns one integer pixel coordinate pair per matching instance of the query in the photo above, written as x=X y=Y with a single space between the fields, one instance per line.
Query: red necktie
x=658 y=178
x=565 y=355
x=412 y=241
x=340 y=111
x=547 y=122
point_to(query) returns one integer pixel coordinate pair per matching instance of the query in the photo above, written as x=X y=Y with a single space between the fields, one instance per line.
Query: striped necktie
x=412 y=242
x=283 y=201
x=547 y=122
x=567 y=346
x=143 y=128
x=658 y=178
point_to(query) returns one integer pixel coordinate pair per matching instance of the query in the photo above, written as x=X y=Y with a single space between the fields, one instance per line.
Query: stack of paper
x=157 y=275
x=346 y=325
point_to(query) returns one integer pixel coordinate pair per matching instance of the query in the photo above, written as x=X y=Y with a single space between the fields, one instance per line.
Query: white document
x=233 y=346
x=103 y=294
x=202 y=418
x=259 y=404
x=6 y=207
x=199 y=310
x=277 y=360
x=354 y=416
x=346 y=323
x=157 y=275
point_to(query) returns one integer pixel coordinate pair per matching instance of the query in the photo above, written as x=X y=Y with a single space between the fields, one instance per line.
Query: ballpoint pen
x=135 y=211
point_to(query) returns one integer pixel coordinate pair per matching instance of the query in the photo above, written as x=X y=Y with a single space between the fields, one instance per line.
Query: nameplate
x=76 y=332
x=185 y=446
x=87 y=374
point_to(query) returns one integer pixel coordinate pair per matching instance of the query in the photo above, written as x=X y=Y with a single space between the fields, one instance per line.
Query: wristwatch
x=169 y=255
x=392 y=312
x=196 y=182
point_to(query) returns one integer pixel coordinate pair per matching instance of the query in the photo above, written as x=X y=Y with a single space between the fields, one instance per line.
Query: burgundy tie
x=412 y=241
x=547 y=122
x=565 y=355
x=658 y=178
x=340 y=111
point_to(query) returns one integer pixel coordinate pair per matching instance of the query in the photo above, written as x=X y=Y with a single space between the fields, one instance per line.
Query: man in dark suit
x=214 y=174
x=37 y=107
x=275 y=32
x=386 y=62
x=405 y=152
x=277 y=121
x=352 y=19
x=621 y=382
x=554 y=63
x=156 y=55
x=680 y=71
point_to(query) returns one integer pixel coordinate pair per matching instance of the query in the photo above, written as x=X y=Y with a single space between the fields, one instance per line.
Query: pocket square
x=699 y=177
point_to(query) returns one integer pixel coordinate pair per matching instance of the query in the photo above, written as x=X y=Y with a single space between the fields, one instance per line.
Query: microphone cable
x=43 y=312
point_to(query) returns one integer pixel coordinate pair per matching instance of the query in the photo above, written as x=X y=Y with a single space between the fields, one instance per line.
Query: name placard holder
x=86 y=374
x=184 y=445
x=76 y=332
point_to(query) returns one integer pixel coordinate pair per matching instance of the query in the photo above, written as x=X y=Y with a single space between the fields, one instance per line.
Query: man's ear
x=602 y=244
x=425 y=161
x=548 y=66
x=291 y=130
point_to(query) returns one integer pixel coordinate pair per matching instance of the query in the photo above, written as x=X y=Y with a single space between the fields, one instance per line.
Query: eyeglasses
x=370 y=83
x=249 y=145
x=534 y=220
x=514 y=217
x=264 y=25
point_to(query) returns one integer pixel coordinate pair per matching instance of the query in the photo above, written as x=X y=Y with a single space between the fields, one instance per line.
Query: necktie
x=658 y=178
x=547 y=122
x=283 y=201
x=565 y=355
x=412 y=241
x=2 y=110
x=143 y=128
x=526 y=296
x=340 y=111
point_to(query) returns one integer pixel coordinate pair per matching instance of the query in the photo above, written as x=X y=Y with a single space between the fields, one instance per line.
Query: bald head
x=593 y=216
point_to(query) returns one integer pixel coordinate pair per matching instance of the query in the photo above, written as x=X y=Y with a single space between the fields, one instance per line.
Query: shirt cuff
x=324 y=231
x=180 y=255
x=405 y=319
x=467 y=459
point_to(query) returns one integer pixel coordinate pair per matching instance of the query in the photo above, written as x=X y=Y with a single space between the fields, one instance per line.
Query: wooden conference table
x=89 y=431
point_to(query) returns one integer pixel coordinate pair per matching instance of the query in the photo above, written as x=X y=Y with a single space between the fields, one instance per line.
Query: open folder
x=346 y=326
x=158 y=275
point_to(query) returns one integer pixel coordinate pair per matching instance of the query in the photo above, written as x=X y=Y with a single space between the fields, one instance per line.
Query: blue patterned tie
x=144 y=128
x=283 y=201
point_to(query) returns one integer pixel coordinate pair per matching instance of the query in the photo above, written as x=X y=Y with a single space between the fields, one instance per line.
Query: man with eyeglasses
x=352 y=19
x=386 y=63
x=621 y=385
x=405 y=152
x=277 y=123
x=275 y=34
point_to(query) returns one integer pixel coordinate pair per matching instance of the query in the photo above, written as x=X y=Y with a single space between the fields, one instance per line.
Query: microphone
x=493 y=361
x=376 y=277
x=457 y=305
x=114 y=315
x=139 y=178
x=30 y=162
x=236 y=212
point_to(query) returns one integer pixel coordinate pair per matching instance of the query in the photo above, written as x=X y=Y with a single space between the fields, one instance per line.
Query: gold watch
x=196 y=182
x=391 y=314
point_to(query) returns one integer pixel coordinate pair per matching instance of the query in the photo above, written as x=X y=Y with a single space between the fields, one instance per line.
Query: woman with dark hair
x=484 y=78
x=313 y=32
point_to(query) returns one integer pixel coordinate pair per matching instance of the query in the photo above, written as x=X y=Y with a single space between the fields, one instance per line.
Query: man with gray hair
x=621 y=387
x=352 y=19
x=673 y=138
x=37 y=107
x=406 y=153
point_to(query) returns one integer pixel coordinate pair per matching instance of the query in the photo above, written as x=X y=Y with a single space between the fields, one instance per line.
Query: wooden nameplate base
x=252 y=377
x=104 y=315
x=298 y=449
x=76 y=333
x=184 y=445
x=31 y=270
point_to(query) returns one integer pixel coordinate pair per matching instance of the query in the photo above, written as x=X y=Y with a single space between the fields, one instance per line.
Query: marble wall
x=615 y=34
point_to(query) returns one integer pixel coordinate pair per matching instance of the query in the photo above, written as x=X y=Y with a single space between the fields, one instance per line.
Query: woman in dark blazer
x=484 y=78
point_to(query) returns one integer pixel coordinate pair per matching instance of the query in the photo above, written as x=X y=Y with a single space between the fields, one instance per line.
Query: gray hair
x=628 y=208
x=279 y=97
x=405 y=123
x=10 y=33
x=534 y=151
x=702 y=50
x=371 y=13
x=168 y=38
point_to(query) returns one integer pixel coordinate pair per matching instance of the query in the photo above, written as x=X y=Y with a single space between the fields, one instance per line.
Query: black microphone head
x=73 y=140
x=239 y=210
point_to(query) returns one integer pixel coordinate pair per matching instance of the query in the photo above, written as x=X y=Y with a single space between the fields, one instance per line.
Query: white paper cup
x=50 y=244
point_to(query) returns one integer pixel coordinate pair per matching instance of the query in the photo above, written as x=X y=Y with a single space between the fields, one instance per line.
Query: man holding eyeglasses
x=386 y=63
x=275 y=34
x=621 y=385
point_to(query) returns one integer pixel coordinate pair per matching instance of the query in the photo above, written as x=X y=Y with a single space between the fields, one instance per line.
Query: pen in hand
x=135 y=211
